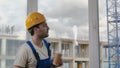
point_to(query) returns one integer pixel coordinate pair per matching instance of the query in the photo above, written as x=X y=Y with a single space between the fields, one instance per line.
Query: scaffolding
x=113 y=31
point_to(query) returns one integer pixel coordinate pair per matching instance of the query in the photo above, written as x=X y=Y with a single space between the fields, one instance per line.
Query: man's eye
x=45 y=25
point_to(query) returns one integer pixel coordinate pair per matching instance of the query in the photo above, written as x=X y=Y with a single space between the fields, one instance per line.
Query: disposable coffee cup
x=57 y=58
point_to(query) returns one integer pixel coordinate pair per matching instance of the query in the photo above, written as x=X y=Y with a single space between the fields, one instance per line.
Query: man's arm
x=21 y=57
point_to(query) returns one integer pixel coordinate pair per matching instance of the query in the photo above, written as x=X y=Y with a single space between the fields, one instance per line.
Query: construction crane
x=113 y=31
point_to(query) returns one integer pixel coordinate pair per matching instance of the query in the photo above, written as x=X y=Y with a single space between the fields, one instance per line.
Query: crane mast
x=113 y=32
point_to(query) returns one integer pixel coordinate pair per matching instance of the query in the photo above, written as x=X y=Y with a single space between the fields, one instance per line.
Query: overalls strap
x=42 y=63
x=33 y=50
x=47 y=44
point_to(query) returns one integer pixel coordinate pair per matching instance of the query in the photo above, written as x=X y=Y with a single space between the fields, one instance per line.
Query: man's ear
x=35 y=29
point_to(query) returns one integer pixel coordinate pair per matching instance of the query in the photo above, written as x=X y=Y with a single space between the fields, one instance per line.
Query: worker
x=36 y=52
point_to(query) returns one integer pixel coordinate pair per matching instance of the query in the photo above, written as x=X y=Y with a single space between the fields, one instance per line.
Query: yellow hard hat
x=33 y=19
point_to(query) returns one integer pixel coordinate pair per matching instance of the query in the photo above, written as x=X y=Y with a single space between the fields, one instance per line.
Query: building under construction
x=74 y=56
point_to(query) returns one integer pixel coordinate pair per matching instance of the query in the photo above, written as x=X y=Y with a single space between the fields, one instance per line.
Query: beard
x=44 y=36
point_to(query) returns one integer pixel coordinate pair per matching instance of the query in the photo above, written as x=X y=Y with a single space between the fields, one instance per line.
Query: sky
x=64 y=17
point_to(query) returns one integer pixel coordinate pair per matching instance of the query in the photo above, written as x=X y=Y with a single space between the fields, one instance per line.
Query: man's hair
x=31 y=30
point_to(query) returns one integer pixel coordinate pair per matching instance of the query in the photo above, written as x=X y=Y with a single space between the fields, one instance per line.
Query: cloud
x=61 y=16
x=102 y=20
x=3 y=18
x=64 y=14
x=13 y=13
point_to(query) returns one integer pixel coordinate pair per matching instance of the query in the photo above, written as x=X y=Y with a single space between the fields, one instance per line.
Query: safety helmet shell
x=33 y=19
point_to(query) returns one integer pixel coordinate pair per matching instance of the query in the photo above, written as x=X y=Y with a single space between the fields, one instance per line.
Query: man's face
x=42 y=30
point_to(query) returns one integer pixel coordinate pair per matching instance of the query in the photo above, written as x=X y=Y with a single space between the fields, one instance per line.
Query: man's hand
x=57 y=60
x=60 y=63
